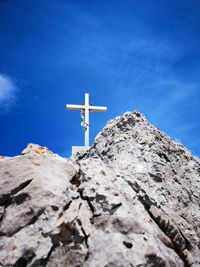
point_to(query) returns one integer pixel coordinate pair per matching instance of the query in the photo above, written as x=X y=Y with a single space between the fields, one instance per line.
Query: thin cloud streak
x=8 y=91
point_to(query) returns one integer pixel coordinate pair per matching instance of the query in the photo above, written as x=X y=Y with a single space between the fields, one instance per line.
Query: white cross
x=87 y=109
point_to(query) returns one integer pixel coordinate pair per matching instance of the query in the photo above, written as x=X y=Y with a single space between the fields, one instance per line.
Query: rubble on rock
x=132 y=200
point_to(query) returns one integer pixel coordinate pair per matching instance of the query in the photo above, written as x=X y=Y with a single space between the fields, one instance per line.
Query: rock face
x=132 y=200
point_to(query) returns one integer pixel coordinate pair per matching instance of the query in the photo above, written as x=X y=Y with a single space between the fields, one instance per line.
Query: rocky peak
x=131 y=132
x=131 y=200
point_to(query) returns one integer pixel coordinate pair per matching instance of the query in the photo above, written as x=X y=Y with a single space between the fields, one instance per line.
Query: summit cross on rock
x=87 y=108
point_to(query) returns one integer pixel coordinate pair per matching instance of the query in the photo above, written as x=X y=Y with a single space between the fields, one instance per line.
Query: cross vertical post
x=87 y=119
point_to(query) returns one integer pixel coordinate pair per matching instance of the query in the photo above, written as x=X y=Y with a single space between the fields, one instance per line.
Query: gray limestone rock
x=131 y=200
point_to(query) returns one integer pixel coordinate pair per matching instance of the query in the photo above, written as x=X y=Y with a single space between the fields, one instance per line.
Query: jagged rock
x=33 y=196
x=131 y=200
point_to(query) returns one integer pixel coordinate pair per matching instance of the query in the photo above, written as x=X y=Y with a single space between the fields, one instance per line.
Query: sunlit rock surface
x=132 y=200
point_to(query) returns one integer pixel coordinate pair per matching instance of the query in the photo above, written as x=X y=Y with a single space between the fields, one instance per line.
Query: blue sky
x=129 y=55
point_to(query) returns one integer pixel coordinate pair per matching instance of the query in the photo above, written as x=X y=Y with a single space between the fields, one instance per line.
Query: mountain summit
x=132 y=200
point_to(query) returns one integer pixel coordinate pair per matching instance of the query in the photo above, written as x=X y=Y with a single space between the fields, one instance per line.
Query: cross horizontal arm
x=74 y=107
x=96 y=108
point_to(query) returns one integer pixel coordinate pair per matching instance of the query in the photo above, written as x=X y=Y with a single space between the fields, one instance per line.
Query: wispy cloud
x=8 y=91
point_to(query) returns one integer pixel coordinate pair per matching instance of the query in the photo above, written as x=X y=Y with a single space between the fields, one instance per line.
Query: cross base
x=76 y=149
